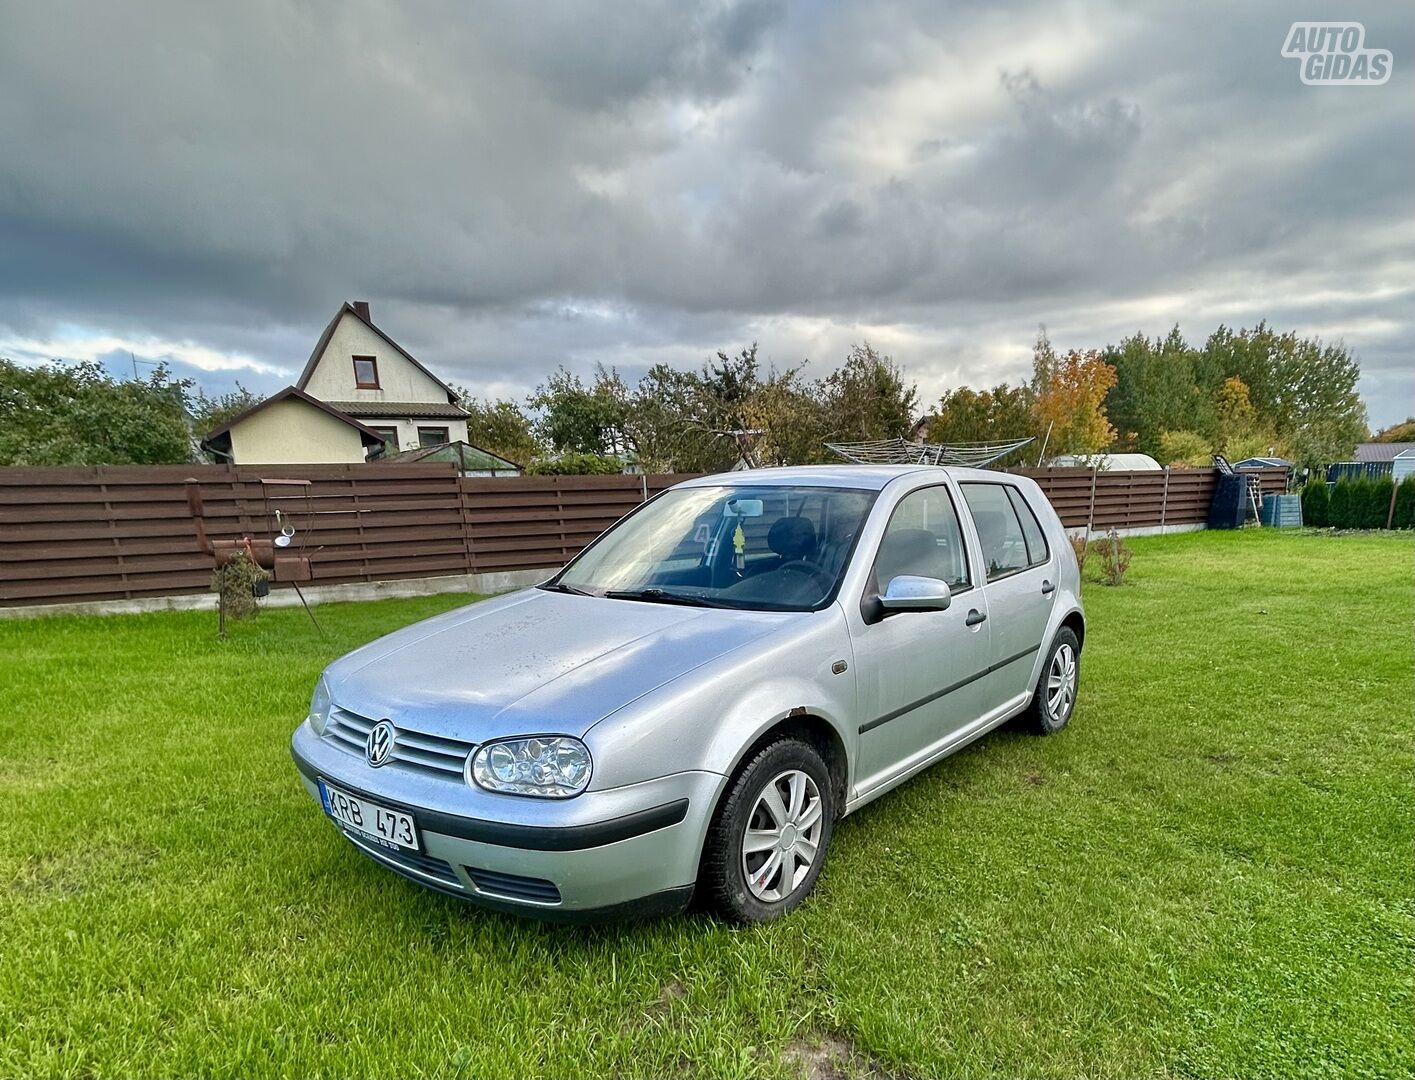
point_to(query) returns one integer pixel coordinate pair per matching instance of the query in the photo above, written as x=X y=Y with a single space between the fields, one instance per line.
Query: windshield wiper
x=658 y=596
x=575 y=590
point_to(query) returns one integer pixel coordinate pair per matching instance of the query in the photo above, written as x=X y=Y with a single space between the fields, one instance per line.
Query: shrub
x=575 y=464
x=1341 y=511
x=1185 y=449
x=1079 y=546
x=1378 y=496
x=1316 y=503
x=1405 y=504
x=1114 y=557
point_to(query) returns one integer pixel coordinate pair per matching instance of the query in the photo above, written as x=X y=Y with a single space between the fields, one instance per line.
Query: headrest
x=792 y=537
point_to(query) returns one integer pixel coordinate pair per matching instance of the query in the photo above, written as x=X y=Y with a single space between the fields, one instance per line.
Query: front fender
x=708 y=718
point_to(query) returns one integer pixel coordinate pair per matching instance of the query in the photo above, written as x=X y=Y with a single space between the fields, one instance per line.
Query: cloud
x=517 y=187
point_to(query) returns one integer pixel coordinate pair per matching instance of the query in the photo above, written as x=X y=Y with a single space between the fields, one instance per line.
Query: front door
x=1020 y=586
x=918 y=681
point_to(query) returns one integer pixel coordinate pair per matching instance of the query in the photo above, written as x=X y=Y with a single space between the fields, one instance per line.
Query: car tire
x=1054 y=698
x=751 y=886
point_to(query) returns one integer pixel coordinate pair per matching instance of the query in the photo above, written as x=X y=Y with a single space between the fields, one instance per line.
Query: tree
x=1005 y=412
x=1316 y=503
x=867 y=397
x=791 y=418
x=575 y=418
x=1302 y=391
x=211 y=412
x=1070 y=399
x=1405 y=504
x=1155 y=392
x=1185 y=449
x=77 y=414
x=500 y=426
x=575 y=464
x=1401 y=432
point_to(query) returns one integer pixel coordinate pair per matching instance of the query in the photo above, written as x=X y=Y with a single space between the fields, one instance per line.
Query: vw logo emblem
x=378 y=747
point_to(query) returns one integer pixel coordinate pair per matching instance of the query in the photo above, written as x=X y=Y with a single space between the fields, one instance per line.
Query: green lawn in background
x=1209 y=874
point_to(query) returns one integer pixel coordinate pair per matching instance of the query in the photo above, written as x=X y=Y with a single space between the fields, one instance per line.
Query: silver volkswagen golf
x=693 y=702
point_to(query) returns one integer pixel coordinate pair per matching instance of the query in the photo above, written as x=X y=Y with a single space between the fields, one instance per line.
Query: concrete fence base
x=504 y=581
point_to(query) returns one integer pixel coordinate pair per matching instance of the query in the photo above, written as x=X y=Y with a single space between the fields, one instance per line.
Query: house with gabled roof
x=292 y=428
x=358 y=369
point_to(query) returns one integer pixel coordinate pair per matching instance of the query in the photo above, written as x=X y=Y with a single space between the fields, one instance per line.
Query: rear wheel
x=769 y=837
x=1055 y=694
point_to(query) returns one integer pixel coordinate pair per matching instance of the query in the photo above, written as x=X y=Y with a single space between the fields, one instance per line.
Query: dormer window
x=366 y=373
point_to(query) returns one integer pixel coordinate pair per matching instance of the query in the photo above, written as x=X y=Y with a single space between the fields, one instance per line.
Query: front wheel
x=1055 y=693
x=769 y=837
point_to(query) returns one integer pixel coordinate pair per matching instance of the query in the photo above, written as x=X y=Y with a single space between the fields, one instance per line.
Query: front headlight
x=550 y=766
x=319 y=706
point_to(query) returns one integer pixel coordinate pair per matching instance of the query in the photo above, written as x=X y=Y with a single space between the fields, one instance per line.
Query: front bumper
x=623 y=851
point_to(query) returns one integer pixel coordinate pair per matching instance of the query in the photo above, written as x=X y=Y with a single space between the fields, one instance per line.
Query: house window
x=432 y=436
x=389 y=435
x=366 y=372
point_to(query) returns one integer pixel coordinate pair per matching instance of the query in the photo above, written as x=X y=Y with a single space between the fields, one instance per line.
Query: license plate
x=391 y=828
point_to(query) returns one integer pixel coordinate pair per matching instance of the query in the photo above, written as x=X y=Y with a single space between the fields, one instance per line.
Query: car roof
x=870 y=477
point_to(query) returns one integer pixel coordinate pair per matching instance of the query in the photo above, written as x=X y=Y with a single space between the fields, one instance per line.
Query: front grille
x=411 y=862
x=436 y=754
x=513 y=886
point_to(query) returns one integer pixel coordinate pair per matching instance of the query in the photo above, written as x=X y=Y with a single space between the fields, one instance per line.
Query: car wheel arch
x=1076 y=623
x=809 y=726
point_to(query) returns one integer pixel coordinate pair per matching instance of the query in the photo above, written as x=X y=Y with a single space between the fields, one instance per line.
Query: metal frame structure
x=903 y=452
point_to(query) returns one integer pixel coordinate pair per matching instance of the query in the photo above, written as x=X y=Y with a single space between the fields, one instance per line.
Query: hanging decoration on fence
x=903 y=452
x=246 y=566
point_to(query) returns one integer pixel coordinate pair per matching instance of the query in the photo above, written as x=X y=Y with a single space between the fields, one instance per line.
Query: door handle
x=974 y=617
x=1048 y=588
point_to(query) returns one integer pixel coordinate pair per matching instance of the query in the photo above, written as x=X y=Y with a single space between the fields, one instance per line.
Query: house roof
x=401 y=408
x=220 y=438
x=462 y=453
x=1381 y=451
x=323 y=342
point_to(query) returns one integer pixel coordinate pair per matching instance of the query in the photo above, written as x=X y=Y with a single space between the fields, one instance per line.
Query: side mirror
x=909 y=593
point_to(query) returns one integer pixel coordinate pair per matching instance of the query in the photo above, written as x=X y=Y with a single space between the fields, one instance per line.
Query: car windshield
x=748 y=546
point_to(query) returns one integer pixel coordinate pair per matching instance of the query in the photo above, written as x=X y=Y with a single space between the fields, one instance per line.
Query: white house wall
x=292 y=432
x=408 y=429
x=333 y=377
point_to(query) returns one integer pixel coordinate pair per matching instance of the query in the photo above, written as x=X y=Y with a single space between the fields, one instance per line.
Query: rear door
x=917 y=671
x=1020 y=573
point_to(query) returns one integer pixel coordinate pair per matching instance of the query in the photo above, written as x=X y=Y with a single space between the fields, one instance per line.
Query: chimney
x=361 y=310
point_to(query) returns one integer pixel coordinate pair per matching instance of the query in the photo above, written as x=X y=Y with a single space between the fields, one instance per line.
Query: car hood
x=535 y=662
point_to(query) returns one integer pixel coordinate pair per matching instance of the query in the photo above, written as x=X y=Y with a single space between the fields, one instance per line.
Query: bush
x=1378 y=496
x=1405 y=504
x=1114 y=557
x=575 y=465
x=1185 y=449
x=1342 y=510
x=1078 y=545
x=1316 y=503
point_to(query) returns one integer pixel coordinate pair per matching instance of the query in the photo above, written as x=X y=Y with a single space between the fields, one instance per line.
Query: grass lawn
x=1209 y=874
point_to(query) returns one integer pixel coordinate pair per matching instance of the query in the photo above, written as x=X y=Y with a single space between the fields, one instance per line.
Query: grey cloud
x=516 y=186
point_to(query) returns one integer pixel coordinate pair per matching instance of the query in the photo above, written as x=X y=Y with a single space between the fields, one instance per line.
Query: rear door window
x=999 y=529
x=1031 y=528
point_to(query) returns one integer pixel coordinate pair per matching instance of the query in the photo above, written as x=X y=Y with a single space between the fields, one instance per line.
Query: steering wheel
x=815 y=570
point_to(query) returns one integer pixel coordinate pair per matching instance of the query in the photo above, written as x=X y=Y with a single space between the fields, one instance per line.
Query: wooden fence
x=124 y=532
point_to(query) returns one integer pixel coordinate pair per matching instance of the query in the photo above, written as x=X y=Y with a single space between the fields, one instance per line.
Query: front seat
x=792 y=538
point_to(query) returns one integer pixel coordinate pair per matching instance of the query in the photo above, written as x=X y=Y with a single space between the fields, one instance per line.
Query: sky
x=515 y=187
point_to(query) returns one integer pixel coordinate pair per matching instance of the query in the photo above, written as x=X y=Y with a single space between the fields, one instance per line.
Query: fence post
x=1091 y=512
x=1164 y=498
x=644 y=487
